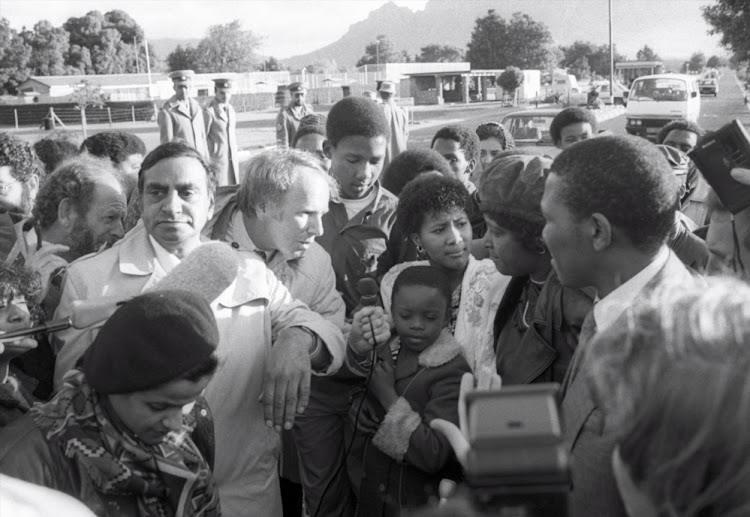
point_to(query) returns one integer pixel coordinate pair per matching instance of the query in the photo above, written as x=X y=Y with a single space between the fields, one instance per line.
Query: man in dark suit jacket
x=609 y=203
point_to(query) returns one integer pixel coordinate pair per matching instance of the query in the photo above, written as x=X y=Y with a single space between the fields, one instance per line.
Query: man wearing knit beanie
x=129 y=402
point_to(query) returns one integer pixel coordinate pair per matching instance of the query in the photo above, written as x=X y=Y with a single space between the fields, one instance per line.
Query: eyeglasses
x=5 y=187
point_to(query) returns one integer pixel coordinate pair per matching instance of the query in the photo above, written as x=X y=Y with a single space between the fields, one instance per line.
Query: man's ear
x=472 y=164
x=66 y=213
x=33 y=184
x=600 y=232
x=327 y=149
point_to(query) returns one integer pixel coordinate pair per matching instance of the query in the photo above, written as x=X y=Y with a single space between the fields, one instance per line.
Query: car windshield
x=659 y=90
x=528 y=127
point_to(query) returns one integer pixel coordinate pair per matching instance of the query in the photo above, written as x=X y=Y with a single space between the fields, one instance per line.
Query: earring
x=541 y=249
x=420 y=249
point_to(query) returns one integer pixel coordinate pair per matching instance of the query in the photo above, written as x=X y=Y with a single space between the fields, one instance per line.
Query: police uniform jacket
x=180 y=121
x=221 y=123
x=287 y=123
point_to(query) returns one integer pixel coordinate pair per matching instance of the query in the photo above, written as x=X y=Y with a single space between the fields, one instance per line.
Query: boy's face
x=488 y=149
x=419 y=314
x=574 y=133
x=356 y=163
x=452 y=152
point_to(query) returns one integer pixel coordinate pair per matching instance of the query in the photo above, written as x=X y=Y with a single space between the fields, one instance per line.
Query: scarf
x=167 y=479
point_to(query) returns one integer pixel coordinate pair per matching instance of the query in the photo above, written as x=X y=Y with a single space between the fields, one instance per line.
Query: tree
x=697 y=62
x=382 y=51
x=580 y=68
x=14 y=59
x=731 y=19
x=273 y=65
x=647 y=54
x=49 y=46
x=521 y=42
x=715 y=62
x=597 y=57
x=183 y=58
x=439 y=54
x=88 y=95
x=510 y=80
x=228 y=48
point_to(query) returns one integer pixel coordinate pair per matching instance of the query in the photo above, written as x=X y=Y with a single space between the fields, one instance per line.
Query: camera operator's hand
x=457 y=436
x=381 y=384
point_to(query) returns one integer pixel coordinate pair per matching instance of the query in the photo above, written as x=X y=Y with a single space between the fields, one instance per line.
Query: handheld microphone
x=209 y=270
x=368 y=292
x=46 y=328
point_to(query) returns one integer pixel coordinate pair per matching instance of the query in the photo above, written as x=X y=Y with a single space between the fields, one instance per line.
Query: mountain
x=451 y=22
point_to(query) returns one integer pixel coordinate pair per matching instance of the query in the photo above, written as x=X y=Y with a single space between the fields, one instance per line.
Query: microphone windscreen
x=208 y=270
x=368 y=291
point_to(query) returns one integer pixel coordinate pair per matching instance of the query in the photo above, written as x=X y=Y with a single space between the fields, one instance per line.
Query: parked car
x=531 y=128
x=620 y=97
x=709 y=85
x=656 y=100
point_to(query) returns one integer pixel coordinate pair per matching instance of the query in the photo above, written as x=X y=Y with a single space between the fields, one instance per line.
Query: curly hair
x=427 y=195
x=408 y=165
x=115 y=145
x=356 y=116
x=177 y=149
x=20 y=157
x=52 y=151
x=680 y=124
x=570 y=116
x=313 y=124
x=468 y=141
x=75 y=180
x=496 y=130
x=626 y=179
x=16 y=279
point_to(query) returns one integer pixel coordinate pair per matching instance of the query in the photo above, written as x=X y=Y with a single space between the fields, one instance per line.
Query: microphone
x=46 y=328
x=368 y=292
x=209 y=270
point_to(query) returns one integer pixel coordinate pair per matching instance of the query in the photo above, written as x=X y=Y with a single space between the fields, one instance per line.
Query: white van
x=656 y=100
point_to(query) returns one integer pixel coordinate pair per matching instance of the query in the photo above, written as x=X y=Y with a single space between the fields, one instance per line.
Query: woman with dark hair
x=672 y=381
x=117 y=435
x=537 y=323
x=433 y=213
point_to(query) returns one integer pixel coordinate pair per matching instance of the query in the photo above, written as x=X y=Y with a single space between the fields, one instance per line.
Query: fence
x=34 y=114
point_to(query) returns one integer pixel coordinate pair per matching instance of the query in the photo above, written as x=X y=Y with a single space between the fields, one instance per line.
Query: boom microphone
x=209 y=270
x=46 y=328
x=368 y=292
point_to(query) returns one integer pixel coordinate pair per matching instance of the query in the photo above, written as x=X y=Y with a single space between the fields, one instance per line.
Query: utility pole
x=611 y=58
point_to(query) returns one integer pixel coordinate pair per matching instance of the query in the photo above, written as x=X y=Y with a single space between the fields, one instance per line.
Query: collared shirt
x=168 y=261
x=609 y=308
x=237 y=233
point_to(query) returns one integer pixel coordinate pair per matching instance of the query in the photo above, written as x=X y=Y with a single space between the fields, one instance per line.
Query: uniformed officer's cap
x=387 y=87
x=297 y=87
x=181 y=76
x=222 y=83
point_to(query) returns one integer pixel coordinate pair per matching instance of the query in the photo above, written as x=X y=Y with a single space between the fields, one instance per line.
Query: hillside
x=451 y=22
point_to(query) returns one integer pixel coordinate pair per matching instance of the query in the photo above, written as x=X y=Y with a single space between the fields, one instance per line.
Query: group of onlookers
x=300 y=338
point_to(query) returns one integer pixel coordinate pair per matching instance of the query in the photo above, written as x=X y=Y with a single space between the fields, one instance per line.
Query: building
x=629 y=71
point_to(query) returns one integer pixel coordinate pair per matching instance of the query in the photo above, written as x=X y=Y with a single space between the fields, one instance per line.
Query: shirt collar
x=168 y=261
x=240 y=239
x=609 y=308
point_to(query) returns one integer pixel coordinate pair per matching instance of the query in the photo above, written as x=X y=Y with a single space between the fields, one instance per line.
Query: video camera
x=518 y=464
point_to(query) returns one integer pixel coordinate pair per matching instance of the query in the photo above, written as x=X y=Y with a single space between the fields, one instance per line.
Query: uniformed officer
x=221 y=124
x=397 y=121
x=181 y=118
x=287 y=122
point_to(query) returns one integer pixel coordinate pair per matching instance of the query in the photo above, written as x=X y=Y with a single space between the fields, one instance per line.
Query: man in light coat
x=182 y=117
x=221 y=124
x=397 y=121
x=259 y=387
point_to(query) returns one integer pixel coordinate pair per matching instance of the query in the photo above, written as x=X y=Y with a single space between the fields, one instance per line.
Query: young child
x=459 y=145
x=404 y=460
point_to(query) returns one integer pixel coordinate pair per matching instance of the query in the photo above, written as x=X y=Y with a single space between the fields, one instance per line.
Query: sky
x=290 y=27
x=293 y=27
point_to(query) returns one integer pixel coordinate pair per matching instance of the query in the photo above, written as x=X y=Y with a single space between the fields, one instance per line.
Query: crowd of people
x=292 y=335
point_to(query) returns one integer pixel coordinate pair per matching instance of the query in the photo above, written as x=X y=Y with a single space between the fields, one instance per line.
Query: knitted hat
x=151 y=340
x=513 y=186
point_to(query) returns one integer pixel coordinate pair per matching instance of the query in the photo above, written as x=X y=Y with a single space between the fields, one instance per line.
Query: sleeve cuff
x=397 y=427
